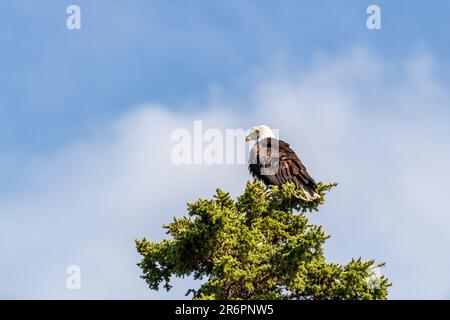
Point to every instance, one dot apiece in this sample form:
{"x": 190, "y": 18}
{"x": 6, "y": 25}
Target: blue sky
{"x": 74, "y": 102}
{"x": 126, "y": 54}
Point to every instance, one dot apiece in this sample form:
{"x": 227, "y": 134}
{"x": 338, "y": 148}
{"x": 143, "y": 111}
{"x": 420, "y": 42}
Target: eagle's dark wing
{"x": 276, "y": 165}
{"x": 291, "y": 168}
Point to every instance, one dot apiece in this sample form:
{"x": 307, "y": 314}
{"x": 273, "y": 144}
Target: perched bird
{"x": 273, "y": 162}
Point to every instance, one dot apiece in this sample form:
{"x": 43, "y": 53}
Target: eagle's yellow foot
{"x": 268, "y": 193}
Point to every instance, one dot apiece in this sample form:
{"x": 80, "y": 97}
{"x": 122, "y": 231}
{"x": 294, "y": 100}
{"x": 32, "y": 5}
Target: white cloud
{"x": 87, "y": 203}
{"x": 385, "y": 141}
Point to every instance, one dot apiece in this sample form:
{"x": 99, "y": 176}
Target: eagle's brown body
{"x": 273, "y": 162}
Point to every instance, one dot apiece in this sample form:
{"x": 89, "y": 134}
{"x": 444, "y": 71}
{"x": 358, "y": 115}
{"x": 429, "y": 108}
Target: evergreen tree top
{"x": 259, "y": 246}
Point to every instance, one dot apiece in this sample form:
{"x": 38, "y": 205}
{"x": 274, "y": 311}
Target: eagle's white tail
{"x": 309, "y": 195}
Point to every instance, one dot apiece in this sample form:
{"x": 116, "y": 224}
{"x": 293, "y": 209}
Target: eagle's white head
{"x": 260, "y": 132}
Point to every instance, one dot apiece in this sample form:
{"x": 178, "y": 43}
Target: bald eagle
{"x": 273, "y": 162}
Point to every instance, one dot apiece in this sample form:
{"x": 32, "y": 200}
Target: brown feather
{"x": 274, "y": 162}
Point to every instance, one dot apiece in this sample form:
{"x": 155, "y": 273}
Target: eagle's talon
{"x": 268, "y": 193}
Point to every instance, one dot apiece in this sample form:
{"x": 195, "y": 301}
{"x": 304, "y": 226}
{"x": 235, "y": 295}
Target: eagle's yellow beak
{"x": 248, "y": 138}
